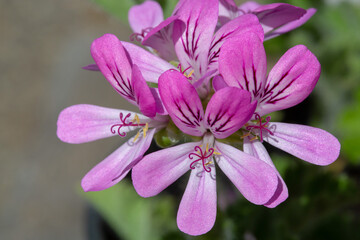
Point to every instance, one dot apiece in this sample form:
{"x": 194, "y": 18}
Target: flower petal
{"x": 145, "y": 15}
{"x": 115, "y": 167}
{"x": 193, "y": 47}
{"x": 291, "y": 25}
{"x": 182, "y": 103}
{"x": 151, "y": 66}
{"x": 277, "y": 14}
{"x": 310, "y": 144}
{"x": 91, "y": 67}
{"x": 290, "y": 81}
{"x": 163, "y": 36}
{"x": 237, "y": 27}
{"x": 248, "y": 7}
{"x": 158, "y": 170}
{"x": 257, "y": 149}
{"x": 85, "y": 123}
{"x": 256, "y": 180}
{"x": 242, "y": 64}
{"x": 143, "y": 95}
{"x": 225, "y": 115}
{"x": 227, "y": 11}
{"x": 112, "y": 60}
{"x": 197, "y": 210}
{"x": 219, "y": 83}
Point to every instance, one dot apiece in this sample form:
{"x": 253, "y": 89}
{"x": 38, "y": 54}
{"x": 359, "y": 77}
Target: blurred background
{"x": 44, "y": 44}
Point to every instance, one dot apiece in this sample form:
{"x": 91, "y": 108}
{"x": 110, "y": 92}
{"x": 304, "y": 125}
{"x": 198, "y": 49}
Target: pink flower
{"x": 85, "y": 123}
{"x": 224, "y": 115}
{"x": 276, "y": 18}
{"x": 242, "y": 64}
{"x": 189, "y": 36}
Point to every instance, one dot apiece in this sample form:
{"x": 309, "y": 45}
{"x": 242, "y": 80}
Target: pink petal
{"x": 115, "y": 167}
{"x": 112, "y": 60}
{"x": 86, "y": 123}
{"x": 291, "y": 25}
{"x": 147, "y": 14}
{"x": 235, "y": 28}
{"x": 160, "y": 108}
{"x": 197, "y": 210}
{"x": 290, "y": 81}
{"x": 277, "y": 14}
{"x": 192, "y": 48}
{"x": 182, "y": 103}
{"x": 219, "y": 83}
{"x": 257, "y": 149}
{"x": 310, "y": 144}
{"x": 242, "y": 64}
{"x": 256, "y": 180}
{"x": 225, "y": 115}
{"x": 151, "y": 66}
{"x": 143, "y": 95}
{"x": 248, "y": 7}
{"x": 160, "y": 169}
{"x": 163, "y": 36}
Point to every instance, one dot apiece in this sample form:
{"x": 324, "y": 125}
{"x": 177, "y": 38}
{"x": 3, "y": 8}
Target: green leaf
{"x": 117, "y": 8}
{"x": 131, "y": 216}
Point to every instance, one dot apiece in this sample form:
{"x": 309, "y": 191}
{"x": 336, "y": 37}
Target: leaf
{"x": 117, "y": 8}
{"x": 131, "y": 216}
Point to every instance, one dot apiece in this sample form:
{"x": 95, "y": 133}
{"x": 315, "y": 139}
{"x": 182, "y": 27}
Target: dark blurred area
{"x": 44, "y": 44}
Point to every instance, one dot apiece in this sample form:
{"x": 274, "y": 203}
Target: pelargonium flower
{"x": 276, "y": 18}
{"x": 224, "y": 115}
{"x": 189, "y": 36}
{"x": 85, "y": 123}
{"x": 242, "y": 64}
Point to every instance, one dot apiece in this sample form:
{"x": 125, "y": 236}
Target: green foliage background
{"x": 324, "y": 202}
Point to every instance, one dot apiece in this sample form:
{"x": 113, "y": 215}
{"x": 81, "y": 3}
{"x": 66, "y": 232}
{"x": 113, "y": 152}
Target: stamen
{"x": 188, "y": 76}
{"x": 140, "y": 36}
{"x": 246, "y": 135}
{"x": 201, "y": 157}
{"x": 125, "y": 124}
{"x": 254, "y": 138}
{"x": 136, "y": 136}
{"x": 261, "y": 126}
{"x": 145, "y": 129}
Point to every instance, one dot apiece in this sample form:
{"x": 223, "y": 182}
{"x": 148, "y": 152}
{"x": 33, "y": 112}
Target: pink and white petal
{"x": 219, "y": 83}
{"x": 162, "y": 37}
{"x": 248, "y": 7}
{"x": 116, "y": 166}
{"x": 197, "y": 210}
{"x": 160, "y": 108}
{"x": 256, "y": 180}
{"x": 242, "y": 64}
{"x": 290, "y": 81}
{"x": 143, "y": 95}
{"x": 228, "y": 110}
{"x": 145, "y": 15}
{"x": 150, "y": 65}
{"x": 112, "y": 60}
{"x": 291, "y": 25}
{"x": 193, "y": 47}
{"x": 227, "y": 11}
{"x": 257, "y": 149}
{"x": 278, "y": 14}
{"x": 85, "y": 123}
{"x": 182, "y": 103}
{"x": 240, "y": 26}
{"x": 310, "y": 144}
{"x": 158, "y": 170}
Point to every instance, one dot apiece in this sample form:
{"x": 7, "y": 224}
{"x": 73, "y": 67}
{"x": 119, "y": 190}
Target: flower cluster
{"x": 204, "y": 78}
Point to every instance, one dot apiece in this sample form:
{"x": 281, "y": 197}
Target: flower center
{"x": 202, "y": 156}
{"x": 188, "y": 76}
{"x": 260, "y": 126}
{"x": 140, "y": 36}
{"x": 124, "y": 123}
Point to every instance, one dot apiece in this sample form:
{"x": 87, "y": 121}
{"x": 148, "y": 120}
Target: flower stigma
{"x": 260, "y": 125}
{"x": 133, "y": 123}
{"x": 203, "y": 156}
